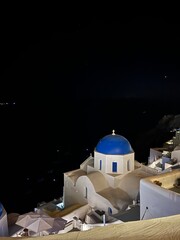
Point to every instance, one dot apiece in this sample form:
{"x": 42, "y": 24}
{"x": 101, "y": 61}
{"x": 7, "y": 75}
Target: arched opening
{"x": 109, "y": 211}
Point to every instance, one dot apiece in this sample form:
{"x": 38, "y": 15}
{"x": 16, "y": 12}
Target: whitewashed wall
{"x": 107, "y": 161}
{"x": 4, "y": 224}
{"x": 156, "y": 201}
{"x": 176, "y": 155}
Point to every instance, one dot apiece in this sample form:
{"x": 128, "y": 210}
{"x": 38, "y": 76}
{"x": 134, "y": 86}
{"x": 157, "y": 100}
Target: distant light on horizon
{"x": 6, "y": 103}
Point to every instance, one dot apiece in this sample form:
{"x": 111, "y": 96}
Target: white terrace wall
{"x": 158, "y": 201}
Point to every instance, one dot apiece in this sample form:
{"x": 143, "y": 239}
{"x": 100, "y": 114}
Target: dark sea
{"x": 41, "y": 141}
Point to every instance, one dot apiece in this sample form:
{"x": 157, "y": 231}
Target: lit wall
{"x": 158, "y": 201}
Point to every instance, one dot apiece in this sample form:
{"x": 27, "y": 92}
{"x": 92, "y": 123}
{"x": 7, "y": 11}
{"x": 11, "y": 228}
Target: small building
{"x": 166, "y": 158}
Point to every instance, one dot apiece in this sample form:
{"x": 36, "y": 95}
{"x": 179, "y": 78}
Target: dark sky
{"x": 51, "y": 58}
{"x": 94, "y": 55}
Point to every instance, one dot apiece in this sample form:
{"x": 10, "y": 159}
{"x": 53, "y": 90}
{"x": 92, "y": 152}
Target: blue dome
{"x": 114, "y": 144}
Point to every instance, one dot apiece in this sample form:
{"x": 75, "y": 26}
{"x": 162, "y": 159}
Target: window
{"x": 128, "y": 165}
{"x": 86, "y": 192}
{"x": 109, "y": 211}
{"x": 100, "y": 165}
{"x": 114, "y": 167}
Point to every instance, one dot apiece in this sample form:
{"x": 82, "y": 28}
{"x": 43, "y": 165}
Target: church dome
{"x": 114, "y": 144}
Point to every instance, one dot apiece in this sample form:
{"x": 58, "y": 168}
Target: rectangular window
{"x": 86, "y": 192}
{"x": 114, "y": 166}
{"x": 128, "y": 165}
{"x": 100, "y": 165}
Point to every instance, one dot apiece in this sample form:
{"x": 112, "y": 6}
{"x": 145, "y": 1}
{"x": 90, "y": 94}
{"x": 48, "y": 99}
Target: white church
{"x": 109, "y": 180}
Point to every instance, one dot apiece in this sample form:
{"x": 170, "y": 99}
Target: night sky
{"x": 85, "y": 55}
{"x": 76, "y": 75}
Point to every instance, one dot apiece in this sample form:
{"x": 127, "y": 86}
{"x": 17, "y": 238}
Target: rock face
{"x": 156, "y": 136}
{"x": 169, "y": 122}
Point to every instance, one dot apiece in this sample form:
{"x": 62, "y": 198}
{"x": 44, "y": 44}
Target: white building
{"x": 109, "y": 181}
{"x": 3, "y": 222}
{"x": 160, "y": 195}
{"x": 167, "y": 157}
